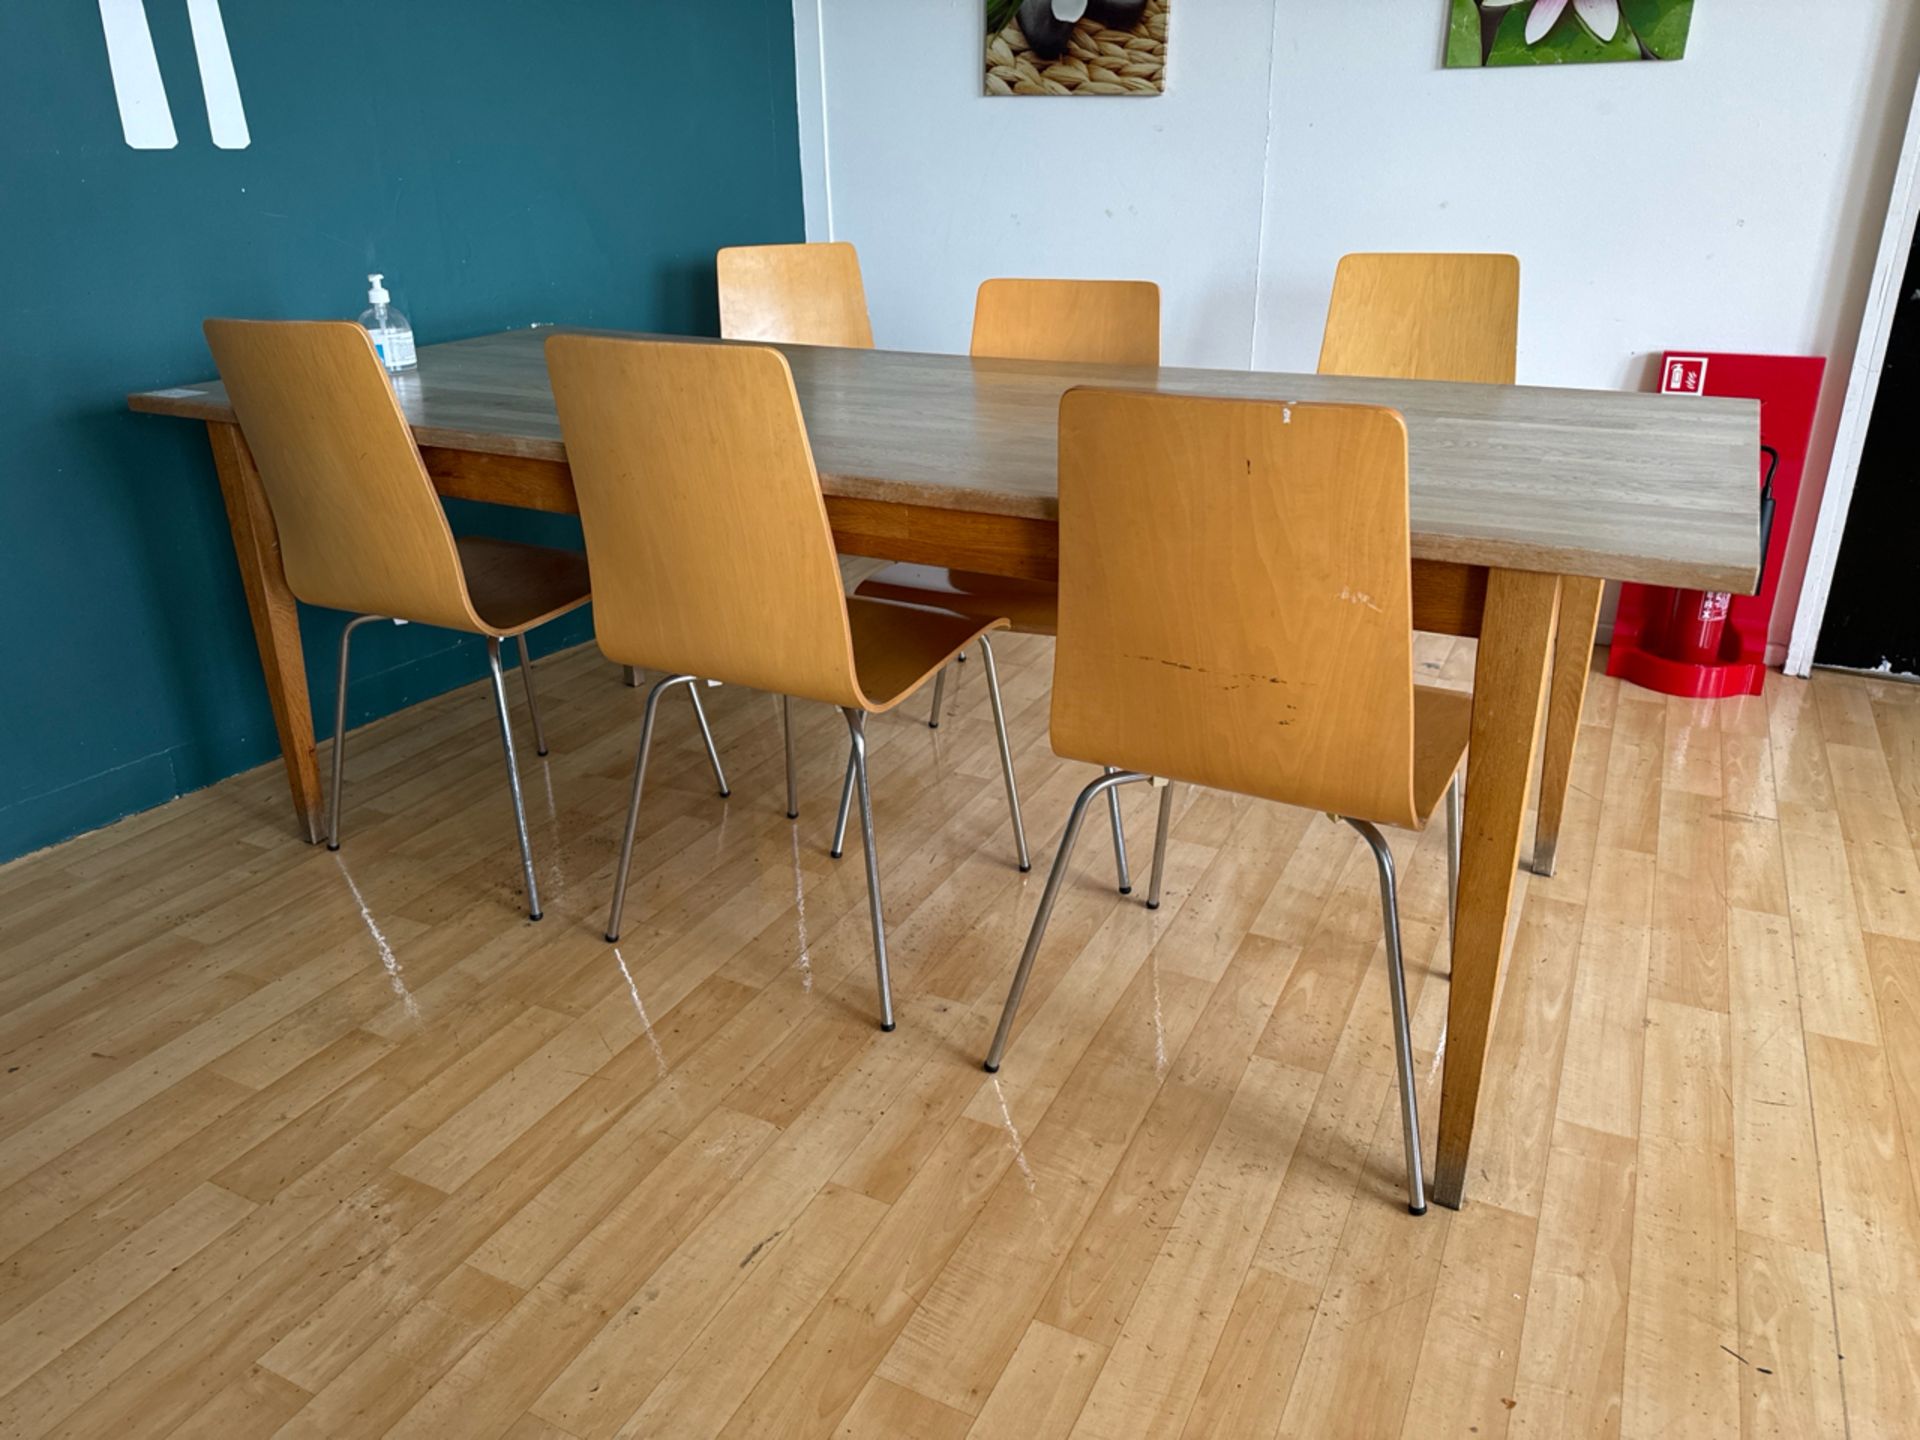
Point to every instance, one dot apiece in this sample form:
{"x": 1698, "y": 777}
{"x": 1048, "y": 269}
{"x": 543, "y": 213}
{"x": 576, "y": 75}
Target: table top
{"x": 1617, "y": 484}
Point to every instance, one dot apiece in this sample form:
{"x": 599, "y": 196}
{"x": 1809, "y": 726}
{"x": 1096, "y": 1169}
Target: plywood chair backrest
{"x": 1235, "y": 600}
{"x": 706, "y": 535}
{"x": 1424, "y": 317}
{"x": 1097, "y": 322}
{"x": 794, "y": 295}
{"x": 361, "y": 528}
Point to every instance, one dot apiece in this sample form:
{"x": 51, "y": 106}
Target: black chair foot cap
{"x": 542, "y": 751}
{"x": 833, "y": 854}
{"x": 725, "y": 793}
{"x": 1126, "y": 889}
{"x": 1025, "y": 868}
{"x": 1153, "y": 904}
{"x": 612, "y": 939}
{"x": 933, "y": 724}
{"x": 990, "y": 1067}
{"x": 888, "y": 1027}
{"x": 793, "y": 814}
{"x": 534, "y": 916}
{"x": 332, "y": 846}
{"x": 1421, "y": 1211}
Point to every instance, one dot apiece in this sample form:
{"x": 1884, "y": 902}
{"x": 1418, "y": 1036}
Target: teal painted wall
{"x": 504, "y": 162}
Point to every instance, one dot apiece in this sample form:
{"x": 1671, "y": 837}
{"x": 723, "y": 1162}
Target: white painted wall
{"x": 941, "y": 189}
{"x": 1730, "y": 201}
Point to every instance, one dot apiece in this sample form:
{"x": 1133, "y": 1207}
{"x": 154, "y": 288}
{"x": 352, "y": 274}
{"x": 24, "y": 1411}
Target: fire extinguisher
{"x": 1698, "y": 619}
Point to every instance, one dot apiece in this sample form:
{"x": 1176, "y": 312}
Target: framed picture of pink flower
{"x": 1565, "y": 32}
{"x": 1076, "y": 47}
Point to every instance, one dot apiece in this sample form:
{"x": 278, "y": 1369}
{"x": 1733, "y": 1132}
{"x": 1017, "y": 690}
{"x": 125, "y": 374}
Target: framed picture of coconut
{"x": 1564, "y": 32}
{"x": 1076, "y": 47}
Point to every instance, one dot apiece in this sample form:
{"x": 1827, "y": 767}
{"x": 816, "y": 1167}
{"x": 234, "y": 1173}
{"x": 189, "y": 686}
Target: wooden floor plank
{"x": 1776, "y": 1160}
{"x": 1789, "y": 1356}
{"x": 1682, "y": 1313}
{"x": 886, "y": 1410}
{"x": 1571, "y": 1374}
{"x": 1470, "y": 1351}
{"x": 1873, "y": 1233}
{"x": 90, "y": 1295}
{"x": 379, "y": 1386}
{"x": 252, "y": 1405}
{"x": 1153, "y": 1373}
{"x": 1896, "y": 983}
{"x": 1379, "y": 1280}
{"x": 307, "y": 1144}
{"x": 1098, "y": 1284}
{"x": 1880, "y": 852}
{"x": 1040, "y": 1393}
{"x": 737, "y": 1345}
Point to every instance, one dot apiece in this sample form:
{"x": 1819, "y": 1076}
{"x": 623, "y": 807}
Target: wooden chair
{"x": 1236, "y": 611}
{"x": 793, "y": 295}
{"x": 1097, "y": 322}
{"x": 807, "y": 294}
{"x": 692, "y": 467}
{"x": 1424, "y": 317}
{"x": 360, "y": 527}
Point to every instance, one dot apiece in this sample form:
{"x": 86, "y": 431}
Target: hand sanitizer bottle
{"x": 392, "y": 335}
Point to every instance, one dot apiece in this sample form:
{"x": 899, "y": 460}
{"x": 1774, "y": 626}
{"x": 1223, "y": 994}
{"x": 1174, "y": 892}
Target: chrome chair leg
{"x": 1160, "y": 845}
{"x": 633, "y": 805}
{"x": 1062, "y": 857}
{"x": 786, "y": 729}
{"x": 1453, "y": 863}
{"x": 1402, "y": 1032}
{"x": 513, "y": 775}
{"x": 706, "y": 734}
{"x": 1006, "y": 754}
{"x": 846, "y": 807}
{"x": 939, "y": 694}
{"x": 533, "y": 705}
{"x": 340, "y": 731}
{"x": 857, "y": 727}
{"x": 1119, "y": 839}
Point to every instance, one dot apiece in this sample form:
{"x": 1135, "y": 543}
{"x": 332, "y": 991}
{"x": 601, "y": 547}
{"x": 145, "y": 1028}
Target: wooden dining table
{"x": 1524, "y": 501}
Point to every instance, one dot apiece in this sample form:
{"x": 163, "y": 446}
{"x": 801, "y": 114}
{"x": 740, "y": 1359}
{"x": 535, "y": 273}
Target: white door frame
{"x": 1863, "y": 384}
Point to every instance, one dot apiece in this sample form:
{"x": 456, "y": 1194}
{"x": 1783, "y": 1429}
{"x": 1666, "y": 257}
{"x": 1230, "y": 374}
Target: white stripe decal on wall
{"x": 145, "y": 118}
{"x": 225, "y": 115}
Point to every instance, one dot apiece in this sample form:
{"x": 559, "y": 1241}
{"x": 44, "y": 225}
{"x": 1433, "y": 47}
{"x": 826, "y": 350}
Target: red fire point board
{"x": 1706, "y": 643}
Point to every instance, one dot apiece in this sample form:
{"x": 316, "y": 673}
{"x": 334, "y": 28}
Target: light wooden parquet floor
{"x": 314, "y": 1145}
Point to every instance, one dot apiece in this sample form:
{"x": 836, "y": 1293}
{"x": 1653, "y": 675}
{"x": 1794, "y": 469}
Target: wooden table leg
{"x": 276, "y": 620}
{"x": 1509, "y": 687}
{"x": 1572, "y": 660}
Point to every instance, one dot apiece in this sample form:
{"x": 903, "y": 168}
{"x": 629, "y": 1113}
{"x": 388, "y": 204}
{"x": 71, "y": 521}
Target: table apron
{"x": 1448, "y": 597}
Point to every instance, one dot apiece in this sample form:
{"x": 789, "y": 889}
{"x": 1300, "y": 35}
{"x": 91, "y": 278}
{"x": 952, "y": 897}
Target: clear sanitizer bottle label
{"x": 395, "y": 347}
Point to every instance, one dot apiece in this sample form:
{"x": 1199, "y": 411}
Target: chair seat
{"x": 1441, "y": 721}
{"x": 898, "y": 648}
{"x": 515, "y": 587}
{"x": 1032, "y": 607}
